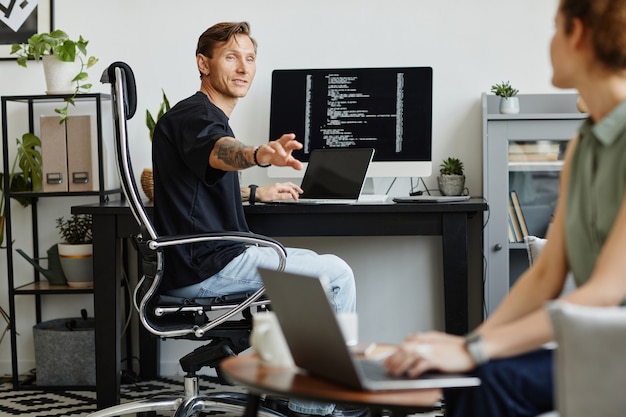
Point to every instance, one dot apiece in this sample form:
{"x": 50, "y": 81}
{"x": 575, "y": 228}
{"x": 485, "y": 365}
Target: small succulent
{"x": 75, "y": 230}
{"x": 504, "y": 89}
{"x": 451, "y": 166}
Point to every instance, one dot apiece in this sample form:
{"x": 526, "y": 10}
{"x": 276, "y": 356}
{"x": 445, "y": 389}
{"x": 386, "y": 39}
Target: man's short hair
{"x": 221, "y": 33}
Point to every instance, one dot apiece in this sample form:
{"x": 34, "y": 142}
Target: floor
{"x": 38, "y": 403}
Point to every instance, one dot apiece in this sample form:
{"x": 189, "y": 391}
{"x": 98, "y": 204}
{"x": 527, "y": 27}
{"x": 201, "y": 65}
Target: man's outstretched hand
{"x": 278, "y": 152}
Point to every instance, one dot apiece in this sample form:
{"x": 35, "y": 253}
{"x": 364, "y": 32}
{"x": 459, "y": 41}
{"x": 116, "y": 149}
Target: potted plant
{"x": 451, "y": 178}
{"x": 147, "y": 180}
{"x": 152, "y": 121}
{"x": 509, "y": 103}
{"x": 76, "y": 251}
{"x": 64, "y": 60}
{"x": 28, "y": 159}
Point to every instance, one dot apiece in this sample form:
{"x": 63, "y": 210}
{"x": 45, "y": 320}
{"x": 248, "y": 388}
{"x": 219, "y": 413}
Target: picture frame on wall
{"x": 21, "y": 19}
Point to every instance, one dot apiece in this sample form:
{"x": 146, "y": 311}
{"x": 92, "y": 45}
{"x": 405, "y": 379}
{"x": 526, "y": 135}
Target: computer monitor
{"x": 388, "y": 109}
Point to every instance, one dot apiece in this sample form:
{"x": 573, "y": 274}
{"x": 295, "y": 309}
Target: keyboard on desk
{"x": 363, "y": 199}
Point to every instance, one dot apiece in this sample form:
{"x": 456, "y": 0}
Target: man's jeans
{"x": 241, "y": 275}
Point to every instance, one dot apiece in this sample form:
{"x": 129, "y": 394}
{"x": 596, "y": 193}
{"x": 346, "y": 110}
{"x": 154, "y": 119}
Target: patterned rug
{"x": 38, "y": 403}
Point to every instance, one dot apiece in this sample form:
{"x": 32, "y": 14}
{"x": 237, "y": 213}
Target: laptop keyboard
{"x": 376, "y": 371}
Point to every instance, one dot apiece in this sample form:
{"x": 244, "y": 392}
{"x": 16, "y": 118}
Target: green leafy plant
{"x": 504, "y": 89}
{"x": 451, "y": 166}
{"x": 28, "y": 159}
{"x": 151, "y": 121}
{"x": 76, "y": 229}
{"x": 59, "y": 44}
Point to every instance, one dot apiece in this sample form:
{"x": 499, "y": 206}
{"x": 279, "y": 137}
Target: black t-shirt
{"x": 191, "y": 197}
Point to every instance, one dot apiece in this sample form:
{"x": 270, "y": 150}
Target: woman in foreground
{"x": 587, "y": 237}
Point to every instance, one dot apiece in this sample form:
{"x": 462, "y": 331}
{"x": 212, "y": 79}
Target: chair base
{"x": 186, "y": 407}
{"x": 192, "y": 403}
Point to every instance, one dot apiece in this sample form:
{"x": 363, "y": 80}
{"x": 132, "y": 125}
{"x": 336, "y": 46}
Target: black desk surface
{"x": 354, "y": 219}
{"x": 113, "y": 220}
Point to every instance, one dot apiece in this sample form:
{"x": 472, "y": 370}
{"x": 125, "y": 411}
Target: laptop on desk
{"x": 317, "y": 344}
{"x": 431, "y": 198}
{"x": 334, "y": 176}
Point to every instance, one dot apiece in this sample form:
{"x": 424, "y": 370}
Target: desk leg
{"x": 106, "y": 249}
{"x": 455, "y": 272}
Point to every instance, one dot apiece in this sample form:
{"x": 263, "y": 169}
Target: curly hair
{"x": 607, "y": 21}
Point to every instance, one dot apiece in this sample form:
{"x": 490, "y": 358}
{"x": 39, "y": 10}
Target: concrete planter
{"x": 451, "y": 184}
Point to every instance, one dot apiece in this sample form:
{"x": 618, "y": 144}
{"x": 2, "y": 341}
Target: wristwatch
{"x": 252, "y": 197}
{"x": 476, "y": 348}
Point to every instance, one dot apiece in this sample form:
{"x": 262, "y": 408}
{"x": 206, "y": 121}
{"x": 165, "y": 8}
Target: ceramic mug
{"x": 268, "y": 340}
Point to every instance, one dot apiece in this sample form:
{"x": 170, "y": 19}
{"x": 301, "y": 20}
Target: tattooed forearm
{"x": 232, "y": 153}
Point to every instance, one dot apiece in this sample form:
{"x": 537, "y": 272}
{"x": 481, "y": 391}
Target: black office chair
{"x": 174, "y": 317}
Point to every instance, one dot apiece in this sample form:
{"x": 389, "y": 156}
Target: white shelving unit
{"x": 522, "y": 153}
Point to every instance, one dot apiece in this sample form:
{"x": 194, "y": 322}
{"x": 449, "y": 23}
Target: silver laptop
{"x": 318, "y": 346}
{"x": 334, "y": 176}
{"x": 431, "y": 198}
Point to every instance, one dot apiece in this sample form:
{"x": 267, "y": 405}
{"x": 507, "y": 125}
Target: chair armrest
{"x": 168, "y": 241}
{"x": 243, "y": 237}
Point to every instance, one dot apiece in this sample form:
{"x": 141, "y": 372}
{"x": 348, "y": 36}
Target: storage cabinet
{"x": 523, "y": 156}
{"x": 21, "y": 114}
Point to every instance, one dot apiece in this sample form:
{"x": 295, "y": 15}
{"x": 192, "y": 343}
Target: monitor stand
{"x": 367, "y": 195}
{"x": 368, "y": 187}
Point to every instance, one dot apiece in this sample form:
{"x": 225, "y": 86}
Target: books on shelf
{"x": 514, "y": 225}
{"x": 512, "y": 238}
{"x": 536, "y": 151}
{"x": 519, "y": 214}
{"x": 517, "y": 223}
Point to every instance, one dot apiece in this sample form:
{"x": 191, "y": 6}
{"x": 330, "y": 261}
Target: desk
{"x": 247, "y": 370}
{"x": 113, "y": 221}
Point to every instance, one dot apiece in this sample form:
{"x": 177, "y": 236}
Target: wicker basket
{"x": 147, "y": 183}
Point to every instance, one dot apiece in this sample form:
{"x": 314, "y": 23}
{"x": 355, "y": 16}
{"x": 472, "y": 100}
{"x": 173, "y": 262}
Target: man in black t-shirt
{"x": 196, "y": 188}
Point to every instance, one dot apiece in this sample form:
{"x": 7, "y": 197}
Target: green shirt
{"x": 596, "y": 190}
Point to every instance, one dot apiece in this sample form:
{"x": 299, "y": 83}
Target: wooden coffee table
{"x": 257, "y": 378}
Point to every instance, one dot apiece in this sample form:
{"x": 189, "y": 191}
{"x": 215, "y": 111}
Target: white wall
{"x": 470, "y": 45}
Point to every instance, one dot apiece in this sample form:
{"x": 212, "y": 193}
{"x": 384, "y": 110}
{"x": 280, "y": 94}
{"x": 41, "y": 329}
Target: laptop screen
{"x": 336, "y": 173}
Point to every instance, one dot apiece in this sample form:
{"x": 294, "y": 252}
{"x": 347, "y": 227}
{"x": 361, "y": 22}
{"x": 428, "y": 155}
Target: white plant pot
{"x": 509, "y": 105}
{"x": 77, "y": 264}
{"x": 59, "y": 75}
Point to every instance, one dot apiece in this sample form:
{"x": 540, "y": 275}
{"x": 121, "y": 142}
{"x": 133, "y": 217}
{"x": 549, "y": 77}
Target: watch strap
{"x": 476, "y": 348}
{"x": 252, "y": 197}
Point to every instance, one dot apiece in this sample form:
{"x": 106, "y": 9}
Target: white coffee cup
{"x": 268, "y": 340}
{"x": 349, "y": 324}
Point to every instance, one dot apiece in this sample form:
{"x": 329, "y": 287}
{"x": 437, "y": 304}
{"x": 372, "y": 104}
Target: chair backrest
{"x": 590, "y": 365}
{"x": 150, "y": 245}
{"x": 534, "y": 246}
{"x": 124, "y": 98}
{"x": 124, "y": 102}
